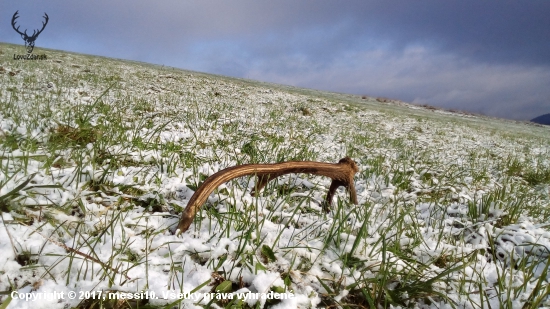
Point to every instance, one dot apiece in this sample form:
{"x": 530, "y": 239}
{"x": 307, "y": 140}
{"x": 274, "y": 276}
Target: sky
{"x": 488, "y": 57}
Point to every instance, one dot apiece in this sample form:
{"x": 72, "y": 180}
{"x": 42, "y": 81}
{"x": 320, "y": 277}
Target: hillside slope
{"x": 542, "y": 119}
{"x": 100, "y": 156}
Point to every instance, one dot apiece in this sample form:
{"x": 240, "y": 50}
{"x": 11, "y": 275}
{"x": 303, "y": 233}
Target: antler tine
{"x": 14, "y": 17}
{"x": 46, "y": 17}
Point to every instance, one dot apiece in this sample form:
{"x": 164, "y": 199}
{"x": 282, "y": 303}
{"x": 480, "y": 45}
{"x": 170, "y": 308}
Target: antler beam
{"x": 13, "y": 22}
{"x": 46, "y": 18}
{"x": 341, "y": 173}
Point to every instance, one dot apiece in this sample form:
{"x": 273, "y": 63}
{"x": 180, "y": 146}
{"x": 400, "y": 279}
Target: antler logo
{"x": 29, "y": 40}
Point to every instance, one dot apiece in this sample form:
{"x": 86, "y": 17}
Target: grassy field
{"x": 99, "y": 157}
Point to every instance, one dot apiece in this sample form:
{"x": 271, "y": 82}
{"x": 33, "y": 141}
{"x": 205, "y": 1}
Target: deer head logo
{"x": 29, "y": 40}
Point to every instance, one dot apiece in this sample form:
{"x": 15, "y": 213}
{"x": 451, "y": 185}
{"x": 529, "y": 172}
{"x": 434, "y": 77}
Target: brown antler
{"x": 341, "y": 173}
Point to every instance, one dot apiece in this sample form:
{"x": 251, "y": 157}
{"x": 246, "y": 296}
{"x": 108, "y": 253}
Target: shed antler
{"x": 341, "y": 173}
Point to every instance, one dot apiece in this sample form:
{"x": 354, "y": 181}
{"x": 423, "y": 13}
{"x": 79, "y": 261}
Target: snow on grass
{"x": 98, "y": 157}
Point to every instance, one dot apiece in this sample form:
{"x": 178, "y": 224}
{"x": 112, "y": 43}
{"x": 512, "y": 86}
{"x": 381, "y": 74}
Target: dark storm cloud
{"x": 485, "y": 56}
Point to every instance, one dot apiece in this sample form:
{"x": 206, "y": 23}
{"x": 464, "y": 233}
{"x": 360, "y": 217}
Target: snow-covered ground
{"x": 100, "y": 156}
